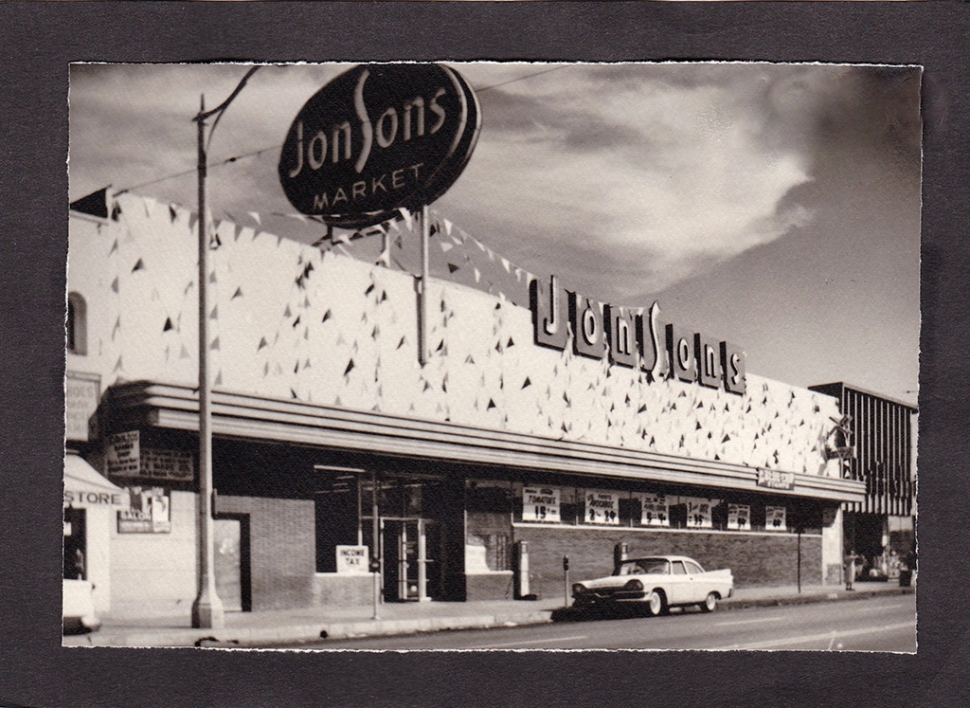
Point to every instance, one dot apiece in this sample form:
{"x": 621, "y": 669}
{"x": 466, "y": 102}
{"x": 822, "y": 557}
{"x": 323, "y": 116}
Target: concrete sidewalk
{"x": 290, "y": 627}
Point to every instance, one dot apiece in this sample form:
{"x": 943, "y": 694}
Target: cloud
{"x": 657, "y": 172}
{"x": 669, "y": 170}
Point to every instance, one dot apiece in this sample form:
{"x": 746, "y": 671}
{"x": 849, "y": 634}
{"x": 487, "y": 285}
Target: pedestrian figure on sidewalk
{"x": 850, "y": 573}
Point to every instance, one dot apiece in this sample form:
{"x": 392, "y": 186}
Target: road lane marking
{"x": 530, "y": 641}
{"x": 881, "y": 608}
{"x": 750, "y": 621}
{"x": 807, "y": 639}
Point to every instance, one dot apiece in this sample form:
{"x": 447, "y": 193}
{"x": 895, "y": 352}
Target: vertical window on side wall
{"x": 77, "y": 325}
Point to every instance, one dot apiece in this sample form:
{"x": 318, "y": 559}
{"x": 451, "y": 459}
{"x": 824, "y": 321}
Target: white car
{"x": 79, "y": 615}
{"x": 659, "y": 582}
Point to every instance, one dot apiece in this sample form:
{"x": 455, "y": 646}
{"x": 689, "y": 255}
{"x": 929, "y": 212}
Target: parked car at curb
{"x": 658, "y": 583}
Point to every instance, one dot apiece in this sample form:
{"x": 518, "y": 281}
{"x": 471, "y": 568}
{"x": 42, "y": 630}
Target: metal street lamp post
{"x": 207, "y": 609}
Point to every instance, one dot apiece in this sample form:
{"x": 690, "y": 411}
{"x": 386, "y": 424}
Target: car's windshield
{"x": 643, "y": 566}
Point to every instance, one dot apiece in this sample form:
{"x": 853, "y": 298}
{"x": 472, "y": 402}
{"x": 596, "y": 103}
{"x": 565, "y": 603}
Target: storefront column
{"x": 422, "y": 563}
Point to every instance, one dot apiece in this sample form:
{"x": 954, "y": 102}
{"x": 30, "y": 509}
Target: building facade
{"x": 473, "y": 474}
{"x": 880, "y": 434}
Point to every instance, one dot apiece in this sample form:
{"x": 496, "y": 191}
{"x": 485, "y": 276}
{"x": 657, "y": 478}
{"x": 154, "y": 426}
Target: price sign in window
{"x": 540, "y": 504}
{"x": 603, "y": 508}
{"x": 654, "y": 510}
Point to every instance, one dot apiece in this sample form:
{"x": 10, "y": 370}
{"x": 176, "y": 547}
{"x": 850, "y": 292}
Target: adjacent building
{"x": 880, "y": 435}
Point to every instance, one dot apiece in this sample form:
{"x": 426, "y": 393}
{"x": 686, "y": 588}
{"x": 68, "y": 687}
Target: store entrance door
{"x": 231, "y": 562}
{"x": 411, "y": 568}
{"x": 75, "y": 544}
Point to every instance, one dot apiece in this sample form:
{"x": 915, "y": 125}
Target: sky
{"x": 773, "y": 205}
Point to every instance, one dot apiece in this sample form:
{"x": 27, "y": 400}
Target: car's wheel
{"x": 710, "y": 602}
{"x": 657, "y": 603}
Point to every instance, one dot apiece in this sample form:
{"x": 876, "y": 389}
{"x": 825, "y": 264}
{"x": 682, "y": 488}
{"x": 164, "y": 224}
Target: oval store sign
{"x": 376, "y": 138}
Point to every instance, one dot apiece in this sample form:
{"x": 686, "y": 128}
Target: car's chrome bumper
{"x": 619, "y": 595}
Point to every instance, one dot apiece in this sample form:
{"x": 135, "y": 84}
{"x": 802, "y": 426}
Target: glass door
{"x": 411, "y": 570}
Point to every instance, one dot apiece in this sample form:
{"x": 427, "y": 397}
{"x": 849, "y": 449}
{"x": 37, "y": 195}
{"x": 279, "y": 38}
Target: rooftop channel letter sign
{"x": 377, "y": 138}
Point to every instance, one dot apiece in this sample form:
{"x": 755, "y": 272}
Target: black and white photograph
{"x": 492, "y": 356}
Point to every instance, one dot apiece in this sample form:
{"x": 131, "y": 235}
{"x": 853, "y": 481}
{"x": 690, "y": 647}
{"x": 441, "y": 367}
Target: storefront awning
{"x": 85, "y": 487}
{"x": 145, "y": 403}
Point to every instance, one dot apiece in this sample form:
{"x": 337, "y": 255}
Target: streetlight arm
{"x": 220, "y": 109}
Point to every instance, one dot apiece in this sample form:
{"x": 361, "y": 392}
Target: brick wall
{"x": 754, "y": 559}
{"x": 282, "y": 549}
{"x": 333, "y": 590}
{"x": 489, "y": 586}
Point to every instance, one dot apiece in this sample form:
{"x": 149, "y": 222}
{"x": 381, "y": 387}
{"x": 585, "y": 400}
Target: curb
{"x": 569, "y": 614}
{"x": 267, "y": 637}
{"x": 834, "y": 596}
{"x": 305, "y": 634}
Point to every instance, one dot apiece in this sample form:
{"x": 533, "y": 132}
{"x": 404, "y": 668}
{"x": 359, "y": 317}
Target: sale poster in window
{"x": 540, "y": 504}
{"x": 698, "y": 513}
{"x": 739, "y": 517}
{"x": 603, "y": 508}
{"x": 775, "y": 518}
{"x": 653, "y": 510}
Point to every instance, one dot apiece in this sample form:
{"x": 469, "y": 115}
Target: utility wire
{"x": 235, "y": 158}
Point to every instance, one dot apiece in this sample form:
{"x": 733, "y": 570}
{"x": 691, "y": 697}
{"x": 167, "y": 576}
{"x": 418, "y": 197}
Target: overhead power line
{"x": 236, "y": 158}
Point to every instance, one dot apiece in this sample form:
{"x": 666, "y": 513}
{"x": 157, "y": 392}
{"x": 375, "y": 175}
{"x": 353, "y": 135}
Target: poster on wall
{"x": 167, "y": 464}
{"x": 739, "y": 517}
{"x": 775, "y": 518}
{"x": 603, "y": 508}
{"x": 540, "y": 504}
{"x": 123, "y": 454}
{"x": 81, "y": 395}
{"x": 653, "y": 510}
{"x": 149, "y": 511}
{"x": 698, "y": 513}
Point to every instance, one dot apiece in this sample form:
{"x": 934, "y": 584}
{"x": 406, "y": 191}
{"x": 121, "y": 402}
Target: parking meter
{"x": 565, "y": 579}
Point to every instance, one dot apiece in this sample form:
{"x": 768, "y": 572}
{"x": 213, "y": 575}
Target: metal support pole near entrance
{"x": 424, "y": 324}
{"x": 207, "y": 610}
{"x": 375, "y": 546}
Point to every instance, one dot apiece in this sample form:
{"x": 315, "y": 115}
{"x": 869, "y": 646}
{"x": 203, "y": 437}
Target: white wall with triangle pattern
{"x": 292, "y": 322}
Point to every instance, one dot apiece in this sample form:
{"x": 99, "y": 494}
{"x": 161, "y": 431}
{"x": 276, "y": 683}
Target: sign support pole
{"x": 423, "y": 323}
{"x": 207, "y": 609}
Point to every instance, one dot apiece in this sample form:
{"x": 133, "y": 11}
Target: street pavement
{"x": 310, "y": 625}
{"x": 882, "y": 623}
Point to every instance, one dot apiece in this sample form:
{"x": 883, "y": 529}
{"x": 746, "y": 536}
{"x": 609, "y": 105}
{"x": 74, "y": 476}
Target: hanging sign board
{"x": 377, "y": 138}
{"x": 540, "y": 504}
{"x": 774, "y": 479}
{"x": 603, "y": 508}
